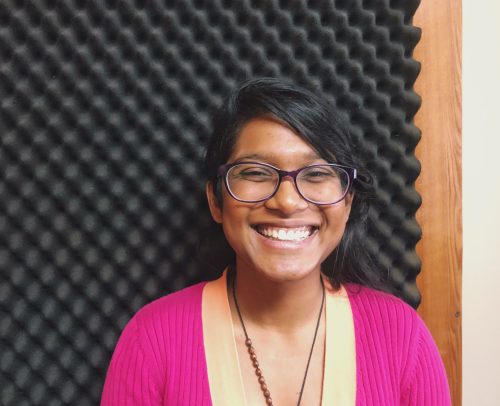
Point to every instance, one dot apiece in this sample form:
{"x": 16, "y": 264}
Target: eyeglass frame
{"x": 223, "y": 170}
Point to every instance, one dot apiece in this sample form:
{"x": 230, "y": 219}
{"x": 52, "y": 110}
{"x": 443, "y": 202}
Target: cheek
{"x": 234, "y": 222}
{"x": 336, "y": 218}
{"x": 338, "y": 214}
{"x": 237, "y": 238}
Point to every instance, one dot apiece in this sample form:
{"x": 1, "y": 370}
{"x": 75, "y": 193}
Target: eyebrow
{"x": 270, "y": 157}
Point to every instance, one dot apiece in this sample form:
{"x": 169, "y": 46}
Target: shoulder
{"x": 170, "y": 312}
{"x": 362, "y": 292}
{"x": 166, "y": 318}
{"x": 390, "y": 331}
{"x": 185, "y": 299}
{"x": 386, "y": 327}
{"x": 373, "y": 305}
{"x": 156, "y": 338}
{"x": 384, "y": 318}
{"x": 172, "y": 319}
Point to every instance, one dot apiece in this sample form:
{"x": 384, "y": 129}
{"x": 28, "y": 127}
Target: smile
{"x": 286, "y": 234}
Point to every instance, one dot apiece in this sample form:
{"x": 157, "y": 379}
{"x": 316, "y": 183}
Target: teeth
{"x": 286, "y": 234}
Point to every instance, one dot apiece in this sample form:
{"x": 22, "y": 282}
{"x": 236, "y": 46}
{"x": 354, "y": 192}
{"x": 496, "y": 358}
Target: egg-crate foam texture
{"x": 105, "y": 111}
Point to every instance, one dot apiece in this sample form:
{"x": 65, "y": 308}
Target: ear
{"x": 348, "y": 204}
{"x": 213, "y": 203}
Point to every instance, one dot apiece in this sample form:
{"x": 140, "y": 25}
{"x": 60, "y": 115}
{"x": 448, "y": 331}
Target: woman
{"x": 298, "y": 316}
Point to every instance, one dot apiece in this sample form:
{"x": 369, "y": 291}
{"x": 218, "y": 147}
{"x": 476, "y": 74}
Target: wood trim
{"x": 440, "y": 183}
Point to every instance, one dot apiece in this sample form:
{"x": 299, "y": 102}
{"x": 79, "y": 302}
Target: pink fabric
{"x": 397, "y": 360}
{"x": 160, "y": 358}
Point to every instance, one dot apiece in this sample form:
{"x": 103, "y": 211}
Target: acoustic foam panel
{"x": 105, "y": 111}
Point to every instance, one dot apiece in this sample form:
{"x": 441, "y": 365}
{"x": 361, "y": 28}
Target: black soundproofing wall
{"x": 105, "y": 111}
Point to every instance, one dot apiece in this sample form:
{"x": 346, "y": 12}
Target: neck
{"x": 283, "y": 306}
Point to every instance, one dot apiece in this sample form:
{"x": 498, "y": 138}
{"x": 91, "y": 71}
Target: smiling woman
{"x": 262, "y": 234}
{"x": 299, "y": 315}
{"x": 278, "y": 120}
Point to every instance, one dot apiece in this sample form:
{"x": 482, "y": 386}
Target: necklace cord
{"x": 253, "y": 356}
{"x": 314, "y": 341}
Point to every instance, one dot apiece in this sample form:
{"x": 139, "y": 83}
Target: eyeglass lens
{"x": 319, "y": 184}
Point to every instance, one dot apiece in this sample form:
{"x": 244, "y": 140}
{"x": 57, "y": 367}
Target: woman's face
{"x": 266, "y": 140}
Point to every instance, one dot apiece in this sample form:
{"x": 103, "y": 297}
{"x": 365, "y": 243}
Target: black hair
{"x": 311, "y": 116}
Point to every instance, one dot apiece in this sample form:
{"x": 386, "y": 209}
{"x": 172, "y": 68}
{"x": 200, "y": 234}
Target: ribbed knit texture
{"x": 397, "y": 360}
{"x": 160, "y": 358}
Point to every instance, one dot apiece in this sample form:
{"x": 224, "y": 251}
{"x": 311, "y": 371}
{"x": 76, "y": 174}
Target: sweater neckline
{"x": 223, "y": 366}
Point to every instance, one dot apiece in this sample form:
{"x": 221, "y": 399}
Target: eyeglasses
{"x": 253, "y": 182}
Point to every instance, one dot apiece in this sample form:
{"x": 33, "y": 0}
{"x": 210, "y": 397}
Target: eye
{"x": 252, "y": 173}
{"x": 318, "y": 174}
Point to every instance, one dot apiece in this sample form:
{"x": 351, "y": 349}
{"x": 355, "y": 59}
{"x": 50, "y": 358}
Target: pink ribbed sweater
{"x": 160, "y": 358}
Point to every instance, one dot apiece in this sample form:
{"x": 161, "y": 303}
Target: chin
{"x": 288, "y": 270}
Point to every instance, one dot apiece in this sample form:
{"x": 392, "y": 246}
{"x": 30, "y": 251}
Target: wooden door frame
{"x": 440, "y": 182}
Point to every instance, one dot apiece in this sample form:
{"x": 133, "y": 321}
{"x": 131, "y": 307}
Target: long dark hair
{"x": 311, "y": 116}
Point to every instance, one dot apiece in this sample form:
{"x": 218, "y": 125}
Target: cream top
{"x": 224, "y": 372}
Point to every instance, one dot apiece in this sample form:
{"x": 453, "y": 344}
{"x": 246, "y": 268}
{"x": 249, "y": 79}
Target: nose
{"x": 287, "y": 199}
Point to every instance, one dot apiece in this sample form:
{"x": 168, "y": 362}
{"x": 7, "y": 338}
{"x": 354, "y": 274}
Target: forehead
{"x": 266, "y": 139}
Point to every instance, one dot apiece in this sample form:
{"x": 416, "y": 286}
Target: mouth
{"x": 285, "y": 234}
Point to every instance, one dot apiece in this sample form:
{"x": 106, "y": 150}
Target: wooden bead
{"x": 269, "y": 402}
{"x": 266, "y": 393}
{"x": 261, "y": 380}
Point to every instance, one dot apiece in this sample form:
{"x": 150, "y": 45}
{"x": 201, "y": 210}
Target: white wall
{"x": 481, "y": 202}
